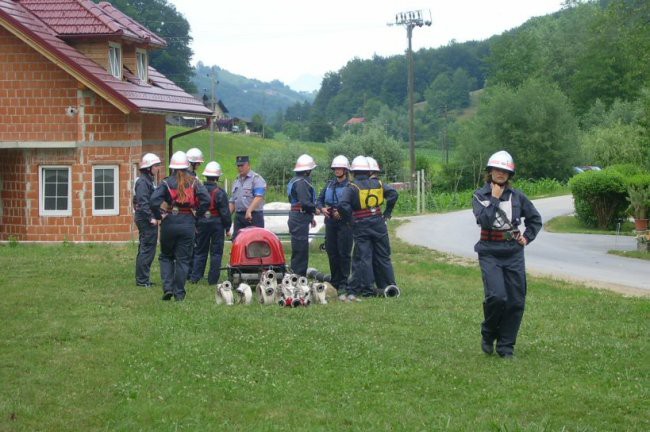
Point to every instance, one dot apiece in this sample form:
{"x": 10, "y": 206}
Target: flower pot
{"x": 641, "y": 224}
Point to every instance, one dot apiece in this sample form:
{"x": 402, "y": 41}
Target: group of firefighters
{"x": 197, "y": 216}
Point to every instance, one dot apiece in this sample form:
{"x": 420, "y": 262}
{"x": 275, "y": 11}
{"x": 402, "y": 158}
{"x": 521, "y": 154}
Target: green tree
{"x": 534, "y": 123}
{"x": 163, "y": 19}
{"x": 319, "y": 129}
{"x": 375, "y": 142}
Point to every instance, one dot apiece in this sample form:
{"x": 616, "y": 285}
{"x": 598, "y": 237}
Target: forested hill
{"x": 246, "y": 97}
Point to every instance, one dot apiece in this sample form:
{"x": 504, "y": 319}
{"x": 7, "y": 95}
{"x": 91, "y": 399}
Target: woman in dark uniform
{"x": 498, "y": 209}
{"x": 211, "y": 228}
{"x": 185, "y": 196}
{"x": 144, "y": 220}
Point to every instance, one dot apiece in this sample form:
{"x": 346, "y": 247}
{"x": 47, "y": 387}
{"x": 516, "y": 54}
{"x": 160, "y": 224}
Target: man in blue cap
{"x": 247, "y": 199}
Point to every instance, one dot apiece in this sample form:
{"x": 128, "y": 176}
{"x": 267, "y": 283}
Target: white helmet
{"x": 212, "y": 169}
{"x": 305, "y": 163}
{"x": 195, "y": 155}
{"x": 372, "y": 163}
{"x": 340, "y": 162}
{"x": 360, "y": 163}
{"x": 502, "y": 160}
{"x": 149, "y": 160}
{"x": 179, "y": 161}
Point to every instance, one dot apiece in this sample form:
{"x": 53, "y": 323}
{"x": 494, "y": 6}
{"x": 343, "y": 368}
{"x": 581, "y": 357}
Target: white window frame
{"x": 41, "y": 192}
{"x": 116, "y": 191}
{"x": 142, "y": 64}
{"x": 115, "y": 59}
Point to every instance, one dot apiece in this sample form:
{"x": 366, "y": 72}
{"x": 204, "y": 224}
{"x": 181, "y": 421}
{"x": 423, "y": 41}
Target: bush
{"x": 600, "y": 198}
{"x": 626, "y": 170}
{"x": 277, "y": 167}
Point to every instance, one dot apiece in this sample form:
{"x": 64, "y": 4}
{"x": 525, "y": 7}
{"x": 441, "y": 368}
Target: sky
{"x": 298, "y": 41}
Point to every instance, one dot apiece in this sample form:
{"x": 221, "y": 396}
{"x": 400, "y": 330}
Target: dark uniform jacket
{"x": 144, "y": 188}
{"x": 219, "y": 203}
{"x": 351, "y": 203}
{"x": 485, "y": 210}
{"x": 301, "y": 192}
{"x": 162, "y": 194}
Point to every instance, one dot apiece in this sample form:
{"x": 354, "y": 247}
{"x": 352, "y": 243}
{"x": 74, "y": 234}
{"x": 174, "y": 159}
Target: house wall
{"x": 37, "y": 128}
{"x": 27, "y": 81}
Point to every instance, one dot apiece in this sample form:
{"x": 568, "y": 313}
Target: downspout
{"x": 170, "y": 146}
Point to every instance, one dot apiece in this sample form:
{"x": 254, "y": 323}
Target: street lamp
{"x": 410, "y": 20}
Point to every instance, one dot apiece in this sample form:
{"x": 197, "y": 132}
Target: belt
{"x": 496, "y": 235}
{"x": 297, "y": 208}
{"x": 366, "y": 213}
{"x": 244, "y": 211}
{"x": 181, "y": 210}
{"x": 215, "y": 213}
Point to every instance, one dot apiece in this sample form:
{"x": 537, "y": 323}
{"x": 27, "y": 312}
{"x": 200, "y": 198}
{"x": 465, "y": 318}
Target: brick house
{"x": 79, "y": 105}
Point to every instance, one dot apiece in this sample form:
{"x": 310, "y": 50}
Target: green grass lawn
{"x": 571, "y": 225}
{"x": 84, "y": 349}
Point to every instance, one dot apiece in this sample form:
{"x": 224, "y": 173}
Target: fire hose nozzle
{"x": 392, "y": 291}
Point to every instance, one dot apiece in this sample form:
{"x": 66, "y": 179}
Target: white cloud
{"x": 288, "y": 39}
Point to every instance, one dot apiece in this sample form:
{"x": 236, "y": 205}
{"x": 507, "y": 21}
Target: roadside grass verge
{"x": 631, "y": 254}
{"x": 84, "y": 349}
{"x": 571, "y": 225}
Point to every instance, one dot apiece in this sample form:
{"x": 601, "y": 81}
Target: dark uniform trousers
{"x": 504, "y": 280}
{"x": 148, "y": 237}
{"x": 371, "y": 243}
{"x": 208, "y": 232}
{"x": 338, "y": 244}
{"x": 241, "y": 222}
{"x": 176, "y": 246}
{"x": 299, "y": 229}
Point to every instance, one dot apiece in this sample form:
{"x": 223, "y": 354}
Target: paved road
{"x": 576, "y": 257}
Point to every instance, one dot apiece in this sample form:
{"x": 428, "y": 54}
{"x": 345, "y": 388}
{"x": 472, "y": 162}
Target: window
{"x": 55, "y": 191}
{"x": 105, "y": 190}
{"x": 142, "y": 64}
{"x": 115, "y": 60}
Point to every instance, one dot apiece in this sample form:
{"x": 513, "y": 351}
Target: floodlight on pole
{"x": 213, "y": 106}
{"x": 410, "y": 20}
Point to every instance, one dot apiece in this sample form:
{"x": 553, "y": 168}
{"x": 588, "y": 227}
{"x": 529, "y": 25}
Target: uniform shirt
{"x": 221, "y": 204}
{"x": 485, "y": 210}
{"x": 161, "y": 194}
{"x": 244, "y": 189}
{"x": 144, "y": 187}
{"x": 301, "y": 191}
{"x": 350, "y": 201}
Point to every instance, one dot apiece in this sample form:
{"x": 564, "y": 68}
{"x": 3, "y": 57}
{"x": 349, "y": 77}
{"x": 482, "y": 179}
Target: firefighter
{"x": 185, "y": 196}
{"x": 382, "y": 276}
{"x": 247, "y": 199}
{"x": 498, "y": 208}
{"x": 145, "y": 221}
{"x": 195, "y": 158}
{"x": 211, "y": 228}
{"x": 302, "y": 198}
{"x": 338, "y": 232}
{"x": 361, "y": 202}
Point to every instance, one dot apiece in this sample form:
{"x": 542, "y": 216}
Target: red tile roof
{"x": 160, "y": 96}
{"x": 85, "y": 18}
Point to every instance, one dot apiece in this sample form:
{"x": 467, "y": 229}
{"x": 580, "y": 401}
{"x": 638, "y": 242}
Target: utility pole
{"x": 213, "y": 104}
{"x": 410, "y": 20}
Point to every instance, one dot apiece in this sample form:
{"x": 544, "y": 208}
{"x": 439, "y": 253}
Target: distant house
{"x": 79, "y": 105}
{"x": 355, "y": 121}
